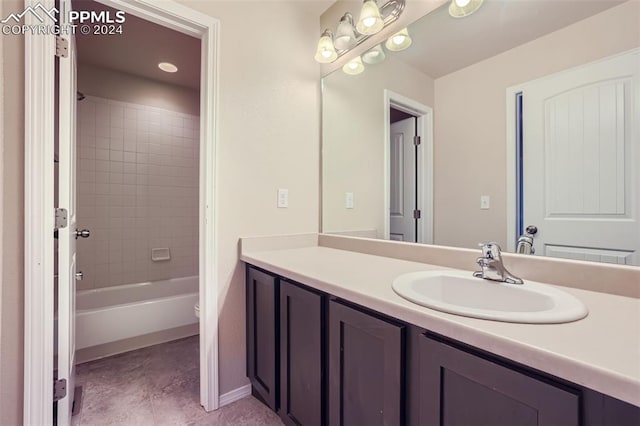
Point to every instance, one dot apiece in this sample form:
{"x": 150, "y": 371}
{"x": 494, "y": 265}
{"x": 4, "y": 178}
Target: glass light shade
{"x": 399, "y": 41}
{"x": 374, "y": 55}
{"x": 463, "y": 8}
{"x": 345, "y": 37}
{"x": 370, "y": 21}
{"x": 326, "y": 53}
{"x": 355, "y": 66}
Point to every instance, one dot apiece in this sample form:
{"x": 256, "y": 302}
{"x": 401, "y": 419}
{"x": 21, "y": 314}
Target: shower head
{"x": 80, "y": 96}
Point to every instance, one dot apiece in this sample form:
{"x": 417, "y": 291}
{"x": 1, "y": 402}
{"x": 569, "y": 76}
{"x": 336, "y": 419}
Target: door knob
{"x": 84, "y": 233}
{"x": 79, "y": 276}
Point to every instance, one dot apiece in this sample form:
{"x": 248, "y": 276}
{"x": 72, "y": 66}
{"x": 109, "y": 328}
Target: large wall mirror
{"x": 520, "y": 122}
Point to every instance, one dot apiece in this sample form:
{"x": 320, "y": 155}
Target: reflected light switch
{"x": 348, "y": 200}
{"x": 485, "y": 202}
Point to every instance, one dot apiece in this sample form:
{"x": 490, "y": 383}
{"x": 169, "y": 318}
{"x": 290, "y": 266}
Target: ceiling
{"x": 140, "y": 48}
{"x": 442, "y": 44}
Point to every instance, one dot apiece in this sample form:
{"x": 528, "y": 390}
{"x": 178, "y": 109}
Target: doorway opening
{"x": 135, "y": 195}
{"x": 408, "y": 170}
{"x": 199, "y": 187}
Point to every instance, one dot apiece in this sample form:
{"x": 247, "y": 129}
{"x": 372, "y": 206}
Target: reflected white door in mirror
{"x": 580, "y": 162}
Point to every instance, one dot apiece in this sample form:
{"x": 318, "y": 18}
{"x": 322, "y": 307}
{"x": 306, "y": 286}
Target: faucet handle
{"x": 490, "y": 250}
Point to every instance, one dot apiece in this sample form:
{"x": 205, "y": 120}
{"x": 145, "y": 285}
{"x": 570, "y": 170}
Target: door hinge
{"x": 417, "y": 140}
{"x": 59, "y": 389}
{"x": 61, "y": 219}
{"x": 62, "y": 47}
{"x": 416, "y": 214}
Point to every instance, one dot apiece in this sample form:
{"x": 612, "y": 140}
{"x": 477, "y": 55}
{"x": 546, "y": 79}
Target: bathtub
{"x": 111, "y": 314}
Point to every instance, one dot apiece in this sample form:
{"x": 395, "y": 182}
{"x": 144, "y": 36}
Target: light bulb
{"x": 399, "y": 41}
{"x": 354, "y": 67}
{"x": 463, "y": 8}
{"x": 369, "y": 22}
{"x": 326, "y": 52}
{"x": 374, "y": 55}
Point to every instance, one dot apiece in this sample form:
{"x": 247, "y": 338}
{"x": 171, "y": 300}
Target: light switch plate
{"x": 348, "y": 200}
{"x": 283, "y": 198}
{"x": 485, "y": 202}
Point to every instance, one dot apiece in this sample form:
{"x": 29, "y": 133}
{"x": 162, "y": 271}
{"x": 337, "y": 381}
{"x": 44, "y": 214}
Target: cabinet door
{"x": 365, "y": 368}
{"x": 459, "y": 388}
{"x": 262, "y": 338}
{"x": 301, "y": 355}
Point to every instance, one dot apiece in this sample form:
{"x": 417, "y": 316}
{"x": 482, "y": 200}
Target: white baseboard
{"x": 235, "y": 395}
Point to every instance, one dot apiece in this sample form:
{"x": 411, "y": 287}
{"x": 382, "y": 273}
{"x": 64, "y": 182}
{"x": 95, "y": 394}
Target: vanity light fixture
{"x": 399, "y": 41}
{"x": 167, "y": 67}
{"x": 326, "y": 52}
{"x": 375, "y": 55}
{"x": 345, "y": 34}
{"x": 372, "y": 20}
{"x": 463, "y": 8}
{"x": 354, "y": 67}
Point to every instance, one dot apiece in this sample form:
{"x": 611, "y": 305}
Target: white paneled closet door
{"x": 582, "y": 161}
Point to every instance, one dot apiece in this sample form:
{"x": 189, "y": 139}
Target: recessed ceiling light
{"x": 167, "y": 67}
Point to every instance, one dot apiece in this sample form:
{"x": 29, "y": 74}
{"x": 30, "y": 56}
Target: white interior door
{"x": 581, "y": 168}
{"x": 402, "y": 203}
{"x": 66, "y": 236}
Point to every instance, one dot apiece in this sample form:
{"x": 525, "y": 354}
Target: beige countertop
{"x": 600, "y": 352}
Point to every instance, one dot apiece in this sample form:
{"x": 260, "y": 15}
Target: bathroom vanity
{"x": 329, "y": 342}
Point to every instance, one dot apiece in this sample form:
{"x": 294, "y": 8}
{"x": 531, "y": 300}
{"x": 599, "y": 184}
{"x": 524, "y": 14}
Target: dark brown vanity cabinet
{"x": 286, "y": 347}
{"x": 319, "y": 360}
{"x": 366, "y": 367}
{"x": 458, "y": 388}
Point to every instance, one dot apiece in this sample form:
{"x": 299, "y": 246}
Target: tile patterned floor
{"x": 157, "y": 385}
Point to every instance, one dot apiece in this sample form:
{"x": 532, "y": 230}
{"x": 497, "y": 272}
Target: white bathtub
{"x": 115, "y": 313}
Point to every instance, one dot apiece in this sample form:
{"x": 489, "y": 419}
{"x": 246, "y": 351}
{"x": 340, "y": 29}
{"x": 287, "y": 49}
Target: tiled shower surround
{"x": 137, "y": 190}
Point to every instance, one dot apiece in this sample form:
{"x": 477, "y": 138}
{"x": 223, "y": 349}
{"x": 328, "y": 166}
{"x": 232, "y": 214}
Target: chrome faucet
{"x": 492, "y": 267}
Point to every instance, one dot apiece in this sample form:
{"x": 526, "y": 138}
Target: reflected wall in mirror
{"x": 555, "y": 84}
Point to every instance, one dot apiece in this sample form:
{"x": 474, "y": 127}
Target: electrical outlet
{"x": 283, "y": 198}
{"x": 348, "y": 200}
{"x": 485, "y": 202}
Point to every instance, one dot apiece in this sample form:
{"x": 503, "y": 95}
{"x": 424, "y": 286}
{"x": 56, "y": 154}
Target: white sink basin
{"x": 460, "y": 293}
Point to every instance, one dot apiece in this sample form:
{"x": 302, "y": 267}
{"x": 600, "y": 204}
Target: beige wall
{"x": 269, "y": 139}
{"x": 119, "y": 86}
{"x": 353, "y": 141}
{"x": 470, "y": 120}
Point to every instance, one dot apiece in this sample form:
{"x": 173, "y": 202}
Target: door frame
{"x": 424, "y": 119}
{"x": 512, "y": 138}
{"x": 39, "y": 201}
